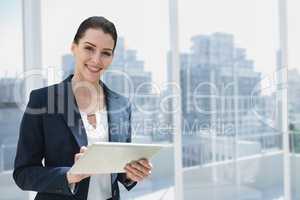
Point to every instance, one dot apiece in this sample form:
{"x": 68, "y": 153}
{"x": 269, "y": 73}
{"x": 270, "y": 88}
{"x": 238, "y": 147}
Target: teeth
{"x": 93, "y": 69}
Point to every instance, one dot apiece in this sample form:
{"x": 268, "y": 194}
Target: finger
{"x": 134, "y": 172}
{"x": 141, "y": 168}
{"x": 75, "y": 178}
{"x": 77, "y": 156}
{"x": 83, "y": 149}
{"x": 132, "y": 176}
{"x": 83, "y": 176}
{"x": 80, "y": 177}
{"x": 145, "y": 163}
{"x": 138, "y": 169}
{"x": 137, "y": 165}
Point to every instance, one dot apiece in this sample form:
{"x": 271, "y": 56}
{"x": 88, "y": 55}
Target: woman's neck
{"x": 89, "y": 95}
{"x": 77, "y": 77}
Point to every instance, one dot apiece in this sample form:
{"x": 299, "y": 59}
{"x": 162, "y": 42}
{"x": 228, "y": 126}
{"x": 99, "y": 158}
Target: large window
{"x": 228, "y": 62}
{"x": 10, "y": 114}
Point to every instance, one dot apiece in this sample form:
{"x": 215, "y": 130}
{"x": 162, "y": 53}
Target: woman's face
{"x": 93, "y": 54}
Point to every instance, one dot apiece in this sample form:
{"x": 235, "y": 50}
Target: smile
{"x": 92, "y": 69}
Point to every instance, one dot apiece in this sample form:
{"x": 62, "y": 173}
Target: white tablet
{"x": 111, "y": 157}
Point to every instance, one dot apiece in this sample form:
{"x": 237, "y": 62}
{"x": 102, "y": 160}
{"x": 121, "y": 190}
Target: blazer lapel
{"x": 68, "y": 109}
{"x": 112, "y": 106}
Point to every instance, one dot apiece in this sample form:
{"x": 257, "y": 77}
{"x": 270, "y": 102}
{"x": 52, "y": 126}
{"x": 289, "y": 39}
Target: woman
{"x": 61, "y": 120}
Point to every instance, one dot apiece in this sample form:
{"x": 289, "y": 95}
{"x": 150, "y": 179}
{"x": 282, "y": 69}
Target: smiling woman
{"x": 138, "y": 69}
{"x": 85, "y": 111}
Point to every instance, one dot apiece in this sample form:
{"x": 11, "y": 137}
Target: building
{"x": 221, "y": 97}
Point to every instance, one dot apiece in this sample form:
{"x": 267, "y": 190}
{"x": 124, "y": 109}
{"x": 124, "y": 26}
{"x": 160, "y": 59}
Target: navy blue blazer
{"x": 52, "y": 132}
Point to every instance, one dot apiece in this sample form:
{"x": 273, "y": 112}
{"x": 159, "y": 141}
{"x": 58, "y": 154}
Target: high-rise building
{"x": 218, "y": 85}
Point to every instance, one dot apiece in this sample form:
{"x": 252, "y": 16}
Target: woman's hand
{"x": 138, "y": 170}
{"x": 75, "y": 178}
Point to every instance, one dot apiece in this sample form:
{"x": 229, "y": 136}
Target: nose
{"x": 97, "y": 60}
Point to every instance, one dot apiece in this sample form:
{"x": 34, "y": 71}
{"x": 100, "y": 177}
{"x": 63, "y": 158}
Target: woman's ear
{"x": 73, "y": 47}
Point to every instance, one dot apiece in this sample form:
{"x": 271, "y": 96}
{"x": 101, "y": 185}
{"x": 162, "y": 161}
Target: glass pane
{"x": 138, "y": 71}
{"x": 294, "y": 94}
{"x": 10, "y": 114}
{"x": 231, "y": 141}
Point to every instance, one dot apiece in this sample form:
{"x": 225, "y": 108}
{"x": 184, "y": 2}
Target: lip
{"x": 93, "y": 69}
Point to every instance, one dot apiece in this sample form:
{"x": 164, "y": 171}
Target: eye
{"x": 89, "y": 48}
{"x": 108, "y": 54}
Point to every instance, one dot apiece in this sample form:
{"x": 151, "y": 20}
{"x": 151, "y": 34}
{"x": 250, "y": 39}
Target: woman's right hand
{"x": 75, "y": 178}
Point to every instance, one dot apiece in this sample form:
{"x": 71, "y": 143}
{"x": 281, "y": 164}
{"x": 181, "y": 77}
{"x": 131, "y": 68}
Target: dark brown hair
{"x": 96, "y": 22}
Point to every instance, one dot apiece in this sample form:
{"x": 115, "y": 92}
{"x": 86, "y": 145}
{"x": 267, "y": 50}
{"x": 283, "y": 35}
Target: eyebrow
{"x": 106, "y": 49}
{"x": 90, "y": 44}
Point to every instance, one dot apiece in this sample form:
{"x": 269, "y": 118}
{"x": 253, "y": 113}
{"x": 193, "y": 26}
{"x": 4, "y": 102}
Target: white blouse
{"x": 100, "y": 184}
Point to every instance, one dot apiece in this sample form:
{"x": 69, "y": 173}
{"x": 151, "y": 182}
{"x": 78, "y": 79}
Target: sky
{"x": 11, "y": 37}
{"x": 145, "y": 26}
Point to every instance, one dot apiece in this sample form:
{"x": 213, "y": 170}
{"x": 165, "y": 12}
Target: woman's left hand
{"x": 138, "y": 170}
